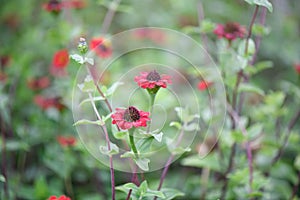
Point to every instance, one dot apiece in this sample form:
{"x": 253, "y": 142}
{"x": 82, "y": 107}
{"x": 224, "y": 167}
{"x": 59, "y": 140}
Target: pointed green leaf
{"x": 94, "y": 99}
{"x": 86, "y": 121}
{"x": 88, "y": 84}
{"x": 264, "y": 3}
{"x": 113, "y": 88}
{"x": 142, "y": 163}
{"x": 247, "y": 87}
{"x": 114, "y": 149}
{"x": 77, "y": 58}
{"x": 171, "y": 193}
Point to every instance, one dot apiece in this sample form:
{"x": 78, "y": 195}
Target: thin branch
{"x": 296, "y": 188}
{"x": 250, "y": 28}
{"x": 109, "y": 16}
{"x": 168, "y": 163}
{"x": 291, "y": 124}
{"x": 112, "y": 174}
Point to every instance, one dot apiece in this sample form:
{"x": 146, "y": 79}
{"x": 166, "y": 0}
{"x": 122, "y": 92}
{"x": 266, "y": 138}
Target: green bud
{"x": 82, "y": 46}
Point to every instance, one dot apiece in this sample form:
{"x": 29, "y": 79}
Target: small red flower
{"x": 297, "y": 68}
{"x": 230, "y": 31}
{"x": 101, "y": 46}
{"x": 155, "y": 35}
{"x": 53, "y": 6}
{"x": 152, "y": 79}
{"x": 203, "y": 85}
{"x": 61, "y": 58}
{"x": 3, "y": 77}
{"x": 77, "y": 4}
{"x": 130, "y": 117}
{"x": 63, "y": 197}
{"x": 38, "y": 83}
{"x": 66, "y": 141}
{"x": 44, "y": 103}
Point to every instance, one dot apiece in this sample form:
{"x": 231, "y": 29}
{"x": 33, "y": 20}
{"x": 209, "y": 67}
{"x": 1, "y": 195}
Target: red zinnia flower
{"x": 53, "y": 6}
{"x": 230, "y": 31}
{"x": 39, "y": 83}
{"x": 66, "y": 141}
{"x": 63, "y": 197}
{"x": 101, "y": 46}
{"x": 152, "y": 79}
{"x": 203, "y": 85}
{"x": 297, "y": 68}
{"x": 44, "y": 103}
{"x": 130, "y": 117}
{"x": 61, "y": 58}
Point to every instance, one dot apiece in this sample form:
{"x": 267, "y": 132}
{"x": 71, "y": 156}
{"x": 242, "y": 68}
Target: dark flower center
{"x": 232, "y": 28}
{"x": 153, "y": 76}
{"x": 53, "y": 3}
{"x": 131, "y": 114}
{"x": 102, "y": 48}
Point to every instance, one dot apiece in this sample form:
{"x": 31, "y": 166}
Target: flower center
{"x": 231, "y": 28}
{"x": 153, "y": 76}
{"x": 103, "y": 48}
{"x": 131, "y": 114}
{"x": 54, "y": 3}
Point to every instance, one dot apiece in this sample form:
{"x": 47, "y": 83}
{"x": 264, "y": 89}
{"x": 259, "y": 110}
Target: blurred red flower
{"x": 3, "y": 77}
{"x": 77, "y": 4}
{"x": 297, "y": 68}
{"x": 101, "y": 46}
{"x": 152, "y": 79}
{"x": 63, "y": 197}
{"x": 230, "y": 31}
{"x": 203, "y": 85}
{"x": 45, "y": 102}
{"x": 38, "y": 83}
{"x": 4, "y": 60}
{"x": 66, "y": 141}
{"x": 61, "y": 58}
{"x": 155, "y": 35}
{"x": 53, "y": 6}
{"x": 130, "y": 117}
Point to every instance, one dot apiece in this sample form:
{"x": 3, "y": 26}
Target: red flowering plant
{"x": 62, "y": 197}
{"x": 203, "y": 85}
{"x": 38, "y": 83}
{"x": 297, "y": 68}
{"x": 53, "y": 6}
{"x": 66, "y": 141}
{"x": 230, "y": 31}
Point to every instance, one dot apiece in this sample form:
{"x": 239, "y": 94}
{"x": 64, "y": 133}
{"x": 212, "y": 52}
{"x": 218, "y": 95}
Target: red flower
{"x": 230, "y": 31}
{"x": 152, "y": 79}
{"x": 155, "y": 35}
{"x": 297, "y": 68}
{"x": 77, "y": 4}
{"x": 44, "y": 103}
{"x": 203, "y": 85}
{"x": 65, "y": 141}
{"x": 101, "y": 46}
{"x": 130, "y": 117}
{"x": 53, "y": 6}
{"x": 39, "y": 83}
{"x": 61, "y": 59}
{"x": 4, "y": 60}
{"x": 63, "y": 197}
{"x": 3, "y": 77}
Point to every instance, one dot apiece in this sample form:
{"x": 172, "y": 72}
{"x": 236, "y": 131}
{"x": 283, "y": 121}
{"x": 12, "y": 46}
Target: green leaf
{"x": 94, "y": 99}
{"x": 258, "y": 67}
{"x": 113, "y": 88}
{"x": 264, "y": 3}
{"x": 2, "y": 178}
{"x": 180, "y": 150}
{"x": 207, "y": 26}
{"x": 254, "y": 131}
{"x": 260, "y": 30}
{"x": 158, "y": 137}
{"x": 191, "y": 30}
{"x": 128, "y": 154}
{"x": 184, "y": 114}
{"x": 238, "y": 136}
{"x": 16, "y": 145}
{"x": 120, "y": 134}
{"x": 247, "y": 87}
{"x": 114, "y": 149}
{"x": 171, "y": 193}
{"x": 191, "y": 127}
{"x": 77, "y": 58}
{"x": 41, "y": 188}
{"x": 211, "y": 161}
{"x": 251, "y": 48}
{"x": 105, "y": 118}
{"x": 88, "y": 85}
{"x": 176, "y": 125}
{"x": 89, "y": 60}
{"x": 297, "y": 162}
{"x": 143, "y": 163}
{"x": 86, "y": 121}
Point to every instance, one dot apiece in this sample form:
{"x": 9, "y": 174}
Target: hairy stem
{"x": 152, "y": 100}
{"x": 112, "y": 173}
{"x": 132, "y": 143}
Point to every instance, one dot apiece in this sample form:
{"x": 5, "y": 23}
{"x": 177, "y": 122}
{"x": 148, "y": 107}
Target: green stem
{"x": 132, "y": 143}
{"x": 152, "y": 100}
